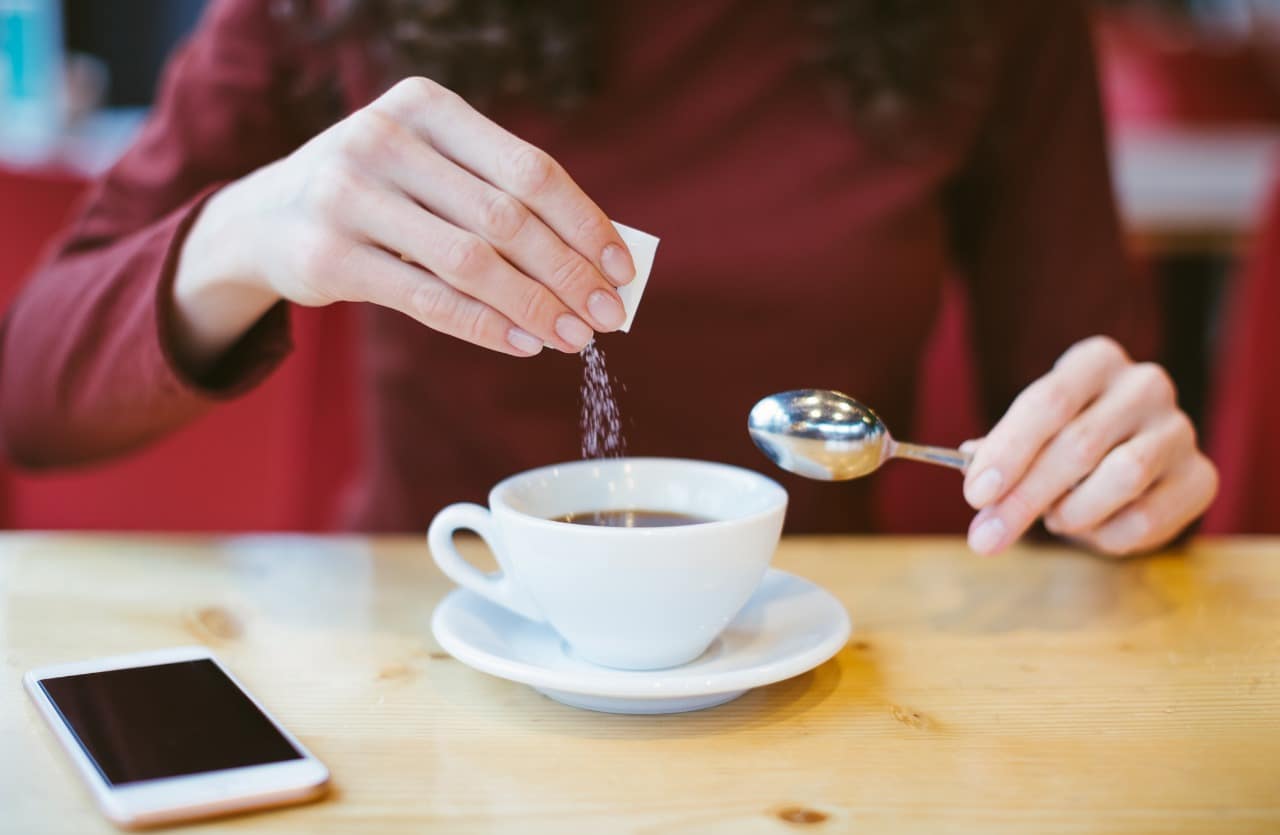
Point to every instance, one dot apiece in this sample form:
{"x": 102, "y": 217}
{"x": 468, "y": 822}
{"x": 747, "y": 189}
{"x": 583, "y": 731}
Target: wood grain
{"x": 1046, "y": 691}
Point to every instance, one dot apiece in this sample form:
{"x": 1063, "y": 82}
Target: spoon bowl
{"x": 829, "y": 436}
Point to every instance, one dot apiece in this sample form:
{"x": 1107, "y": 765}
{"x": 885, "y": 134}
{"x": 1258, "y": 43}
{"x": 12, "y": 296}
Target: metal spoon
{"x": 829, "y": 436}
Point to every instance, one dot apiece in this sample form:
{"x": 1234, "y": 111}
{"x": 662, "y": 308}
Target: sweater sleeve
{"x": 86, "y": 365}
{"x": 1034, "y": 219}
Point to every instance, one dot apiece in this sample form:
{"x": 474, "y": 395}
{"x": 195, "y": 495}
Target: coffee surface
{"x": 631, "y": 518}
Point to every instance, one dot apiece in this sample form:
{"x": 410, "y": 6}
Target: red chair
{"x": 276, "y": 459}
{"x": 930, "y": 500}
{"x": 1162, "y": 77}
{"x": 1159, "y": 73}
{"x": 1242, "y": 433}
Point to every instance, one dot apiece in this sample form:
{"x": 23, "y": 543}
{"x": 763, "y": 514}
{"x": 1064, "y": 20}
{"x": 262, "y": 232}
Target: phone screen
{"x": 166, "y": 720}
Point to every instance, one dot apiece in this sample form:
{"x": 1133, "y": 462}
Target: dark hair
{"x": 900, "y": 61}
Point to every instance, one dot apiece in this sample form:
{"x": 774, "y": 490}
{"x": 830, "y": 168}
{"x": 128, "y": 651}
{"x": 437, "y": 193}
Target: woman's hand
{"x": 1100, "y": 449}
{"x": 417, "y": 203}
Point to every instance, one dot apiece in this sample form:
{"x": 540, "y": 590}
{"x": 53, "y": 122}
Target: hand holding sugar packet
{"x": 643, "y": 248}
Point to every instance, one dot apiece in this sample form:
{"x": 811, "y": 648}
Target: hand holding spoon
{"x": 829, "y": 436}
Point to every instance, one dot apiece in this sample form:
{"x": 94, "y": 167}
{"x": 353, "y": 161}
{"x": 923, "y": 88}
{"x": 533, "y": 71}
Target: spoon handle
{"x": 941, "y": 456}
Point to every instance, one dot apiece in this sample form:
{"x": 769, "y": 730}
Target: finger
{"x": 1124, "y": 475}
{"x": 381, "y": 278}
{"x": 471, "y": 266}
{"x": 1037, "y": 415}
{"x": 519, "y": 235}
{"x": 528, "y": 173}
{"x": 1157, "y": 517}
{"x": 1137, "y": 392}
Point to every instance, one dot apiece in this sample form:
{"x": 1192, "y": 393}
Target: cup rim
{"x": 778, "y": 504}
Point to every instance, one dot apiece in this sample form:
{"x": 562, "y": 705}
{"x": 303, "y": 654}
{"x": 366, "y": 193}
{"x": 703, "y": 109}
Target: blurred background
{"x": 1192, "y": 90}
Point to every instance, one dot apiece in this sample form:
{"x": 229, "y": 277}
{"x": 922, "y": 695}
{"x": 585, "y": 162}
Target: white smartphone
{"x": 170, "y": 735}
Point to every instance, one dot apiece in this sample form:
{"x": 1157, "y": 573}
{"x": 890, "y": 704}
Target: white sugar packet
{"x": 643, "y": 248}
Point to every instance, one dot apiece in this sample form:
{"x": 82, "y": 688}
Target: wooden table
{"x": 1045, "y": 692}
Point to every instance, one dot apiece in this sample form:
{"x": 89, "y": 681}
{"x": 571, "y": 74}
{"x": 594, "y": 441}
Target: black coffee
{"x": 631, "y": 518}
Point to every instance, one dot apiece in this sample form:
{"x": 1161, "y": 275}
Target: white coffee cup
{"x": 630, "y": 598}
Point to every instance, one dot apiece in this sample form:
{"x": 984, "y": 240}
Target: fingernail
{"x": 574, "y": 331}
{"x": 988, "y": 536}
{"x": 969, "y": 447}
{"x": 524, "y": 342}
{"x": 985, "y": 488}
{"x": 617, "y": 264}
{"x": 606, "y": 309}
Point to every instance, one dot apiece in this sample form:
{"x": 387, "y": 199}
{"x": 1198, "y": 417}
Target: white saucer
{"x": 788, "y": 627}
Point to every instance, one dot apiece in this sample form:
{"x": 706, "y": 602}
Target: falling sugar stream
{"x": 601, "y": 421}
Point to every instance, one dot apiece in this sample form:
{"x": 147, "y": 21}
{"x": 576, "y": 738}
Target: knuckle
{"x": 1024, "y": 508}
{"x": 320, "y": 257}
{"x": 1134, "y": 535}
{"x": 535, "y": 304}
{"x": 1154, "y": 382}
{"x": 1140, "y": 527}
{"x": 1052, "y": 401}
{"x": 472, "y": 324}
{"x": 1113, "y": 549}
{"x": 1084, "y": 446}
{"x": 1107, "y": 350}
{"x": 593, "y": 228}
{"x": 370, "y": 136}
{"x": 419, "y": 91}
{"x": 1211, "y": 478}
{"x": 504, "y": 216}
{"x": 331, "y": 190}
{"x": 531, "y": 169}
{"x": 1062, "y": 522}
{"x": 466, "y": 256}
{"x": 432, "y": 303}
{"x": 571, "y": 271}
{"x": 1184, "y": 431}
{"x": 1134, "y": 469}
{"x": 1008, "y": 451}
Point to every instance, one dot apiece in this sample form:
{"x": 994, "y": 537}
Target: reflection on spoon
{"x": 829, "y": 436}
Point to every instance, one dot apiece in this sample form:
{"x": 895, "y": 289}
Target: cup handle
{"x": 499, "y": 587}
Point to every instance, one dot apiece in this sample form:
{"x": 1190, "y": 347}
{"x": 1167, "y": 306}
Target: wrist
{"x": 219, "y": 289}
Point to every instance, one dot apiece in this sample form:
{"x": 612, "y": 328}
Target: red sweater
{"x": 794, "y": 254}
